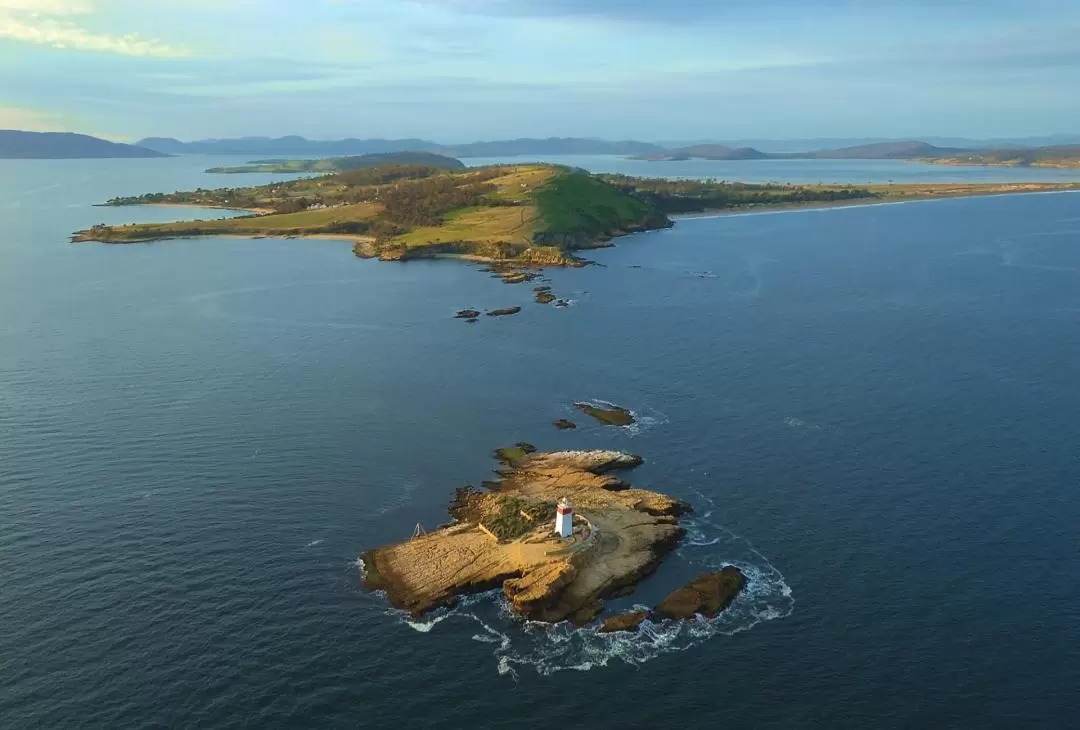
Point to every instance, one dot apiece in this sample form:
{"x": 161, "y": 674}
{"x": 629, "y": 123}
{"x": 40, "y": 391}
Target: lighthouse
{"x": 564, "y": 519}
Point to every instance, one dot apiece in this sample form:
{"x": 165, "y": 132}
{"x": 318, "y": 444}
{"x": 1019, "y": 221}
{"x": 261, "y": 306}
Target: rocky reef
{"x": 503, "y": 538}
{"x": 707, "y": 595}
{"x": 609, "y": 415}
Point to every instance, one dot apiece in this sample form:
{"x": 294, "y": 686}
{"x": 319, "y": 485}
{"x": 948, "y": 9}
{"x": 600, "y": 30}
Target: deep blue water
{"x": 874, "y": 410}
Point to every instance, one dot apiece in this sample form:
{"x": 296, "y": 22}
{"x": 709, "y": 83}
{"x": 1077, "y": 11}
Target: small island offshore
{"x": 558, "y": 533}
{"x": 527, "y": 215}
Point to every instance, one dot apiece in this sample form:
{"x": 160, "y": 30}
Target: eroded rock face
{"x": 707, "y": 595}
{"x": 621, "y": 535}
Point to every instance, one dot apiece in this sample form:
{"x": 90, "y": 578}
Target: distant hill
{"x": 64, "y": 146}
{"x": 551, "y": 146}
{"x": 884, "y": 151}
{"x": 340, "y": 164}
{"x": 348, "y": 147}
{"x": 718, "y": 152}
{"x": 286, "y": 146}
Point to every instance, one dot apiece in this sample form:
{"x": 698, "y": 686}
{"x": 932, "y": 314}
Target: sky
{"x": 464, "y": 70}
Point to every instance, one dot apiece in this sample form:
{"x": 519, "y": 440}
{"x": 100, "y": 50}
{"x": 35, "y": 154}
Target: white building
{"x": 564, "y": 519}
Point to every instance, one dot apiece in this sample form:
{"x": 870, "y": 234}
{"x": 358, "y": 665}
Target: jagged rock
{"x": 544, "y": 297}
{"x": 470, "y": 314}
{"x": 707, "y": 595}
{"x": 623, "y": 622}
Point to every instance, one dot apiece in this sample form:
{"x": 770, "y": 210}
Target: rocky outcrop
{"x": 516, "y": 277}
{"x": 467, "y": 314}
{"x": 609, "y": 415}
{"x": 564, "y": 425}
{"x": 707, "y": 595}
{"x": 544, "y": 297}
{"x": 623, "y": 622}
{"x": 504, "y": 312}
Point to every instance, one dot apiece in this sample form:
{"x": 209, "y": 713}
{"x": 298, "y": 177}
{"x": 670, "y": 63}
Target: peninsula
{"x": 1060, "y": 156}
{"x": 537, "y": 214}
{"x": 612, "y": 536}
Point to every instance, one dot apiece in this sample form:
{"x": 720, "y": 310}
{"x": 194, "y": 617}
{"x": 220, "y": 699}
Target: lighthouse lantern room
{"x": 564, "y": 519}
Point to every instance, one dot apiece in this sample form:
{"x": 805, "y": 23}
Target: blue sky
{"x": 460, "y": 70}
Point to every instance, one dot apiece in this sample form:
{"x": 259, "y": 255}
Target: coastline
{"x": 256, "y": 211}
{"x": 1056, "y": 188}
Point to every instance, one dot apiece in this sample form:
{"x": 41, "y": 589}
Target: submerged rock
{"x": 470, "y": 314}
{"x": 544, "y": 297}
{"x": 608, "y": 415}
{"x": 504, "y": 312}
{"x": 707, "y": 595}
{"x": 564, "y": 425}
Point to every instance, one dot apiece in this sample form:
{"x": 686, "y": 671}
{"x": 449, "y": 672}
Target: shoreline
{"x": 343, "y": 237}
{"x": 872, "y": 202}
{"x": 256, "y": 211}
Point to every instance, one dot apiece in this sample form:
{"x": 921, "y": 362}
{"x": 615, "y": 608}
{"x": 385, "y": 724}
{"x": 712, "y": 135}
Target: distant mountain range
{"x": 875, "y": 150}
{"x": 350, "y": 147}
{"x": 61, "y": 145}
{"x": 16, "y": 144}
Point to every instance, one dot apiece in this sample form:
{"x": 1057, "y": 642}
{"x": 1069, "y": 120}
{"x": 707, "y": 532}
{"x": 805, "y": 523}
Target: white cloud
{"x": 48, "y": 7}
{"x": 46, "y": 22}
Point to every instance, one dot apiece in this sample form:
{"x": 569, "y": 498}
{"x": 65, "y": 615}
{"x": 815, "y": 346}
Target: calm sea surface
{"x": 873, "y": 409}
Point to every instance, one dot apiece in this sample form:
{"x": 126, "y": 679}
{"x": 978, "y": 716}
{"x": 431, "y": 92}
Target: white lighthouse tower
{"x": 564, "y": 519}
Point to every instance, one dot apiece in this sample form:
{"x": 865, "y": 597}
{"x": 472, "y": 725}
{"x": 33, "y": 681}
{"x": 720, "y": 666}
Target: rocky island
{"x": 503, "y": 537}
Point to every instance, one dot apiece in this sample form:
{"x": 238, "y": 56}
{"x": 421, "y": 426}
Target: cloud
{"x": 31, "y": 120}
{"x": 46, "y": 22}
{"x": 48, "y": 7}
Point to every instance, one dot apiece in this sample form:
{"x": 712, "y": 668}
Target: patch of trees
{"x": 694, "y": 196}
{"x": 386, "y": 174}
{"x": 425, "y": 202}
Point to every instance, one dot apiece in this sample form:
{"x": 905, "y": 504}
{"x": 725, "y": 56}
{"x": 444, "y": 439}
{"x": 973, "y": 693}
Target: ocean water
{"x": 873, "y": 410}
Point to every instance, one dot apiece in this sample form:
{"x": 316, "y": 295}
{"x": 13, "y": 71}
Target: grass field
{"x": 580, "y": 203}
{"x": 512, "y": 224}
